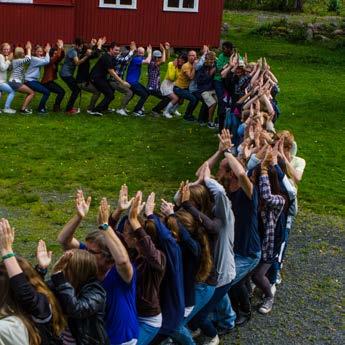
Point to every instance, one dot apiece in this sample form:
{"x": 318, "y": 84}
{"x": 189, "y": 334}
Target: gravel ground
{"x": 310, "y": 302}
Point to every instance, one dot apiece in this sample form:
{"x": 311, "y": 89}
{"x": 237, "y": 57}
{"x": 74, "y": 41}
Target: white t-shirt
{"x": 13, "y": 331}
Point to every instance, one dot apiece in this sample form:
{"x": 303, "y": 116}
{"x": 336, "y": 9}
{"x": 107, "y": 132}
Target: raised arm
{"x": 116, "y": 248}
{"x": 149, "y": 55}
{"x": 235, "y": 165}
{"x": 66, "y": 236}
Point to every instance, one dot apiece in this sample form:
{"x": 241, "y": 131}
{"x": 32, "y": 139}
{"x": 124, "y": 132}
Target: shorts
{"x": 167, "y": 87}
{"x": 209, "y": 97}
{"x": 15, "y": 85}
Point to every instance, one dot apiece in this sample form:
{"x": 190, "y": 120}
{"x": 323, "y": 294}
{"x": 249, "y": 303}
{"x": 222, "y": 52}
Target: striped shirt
{"x": 18, "y": 71}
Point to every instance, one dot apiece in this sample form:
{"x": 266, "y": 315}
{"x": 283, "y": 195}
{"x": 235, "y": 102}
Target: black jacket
{"x": 85, "y": 311}
{"x": 37, "y": 306}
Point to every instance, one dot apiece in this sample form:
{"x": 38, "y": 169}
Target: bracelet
{"x": 8, "y": 256}
{"x": 228, "y": 150}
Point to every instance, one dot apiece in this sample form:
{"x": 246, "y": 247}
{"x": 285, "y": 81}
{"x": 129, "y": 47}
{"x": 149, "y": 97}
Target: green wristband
{"x": 7, "y": 256}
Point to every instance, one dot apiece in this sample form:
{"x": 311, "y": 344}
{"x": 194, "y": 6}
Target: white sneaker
{"x": 121, "y": 112}
{"x": 138, "y": 113}
{"x": 266, "y": 306}
{"x": 213, "y": 341}
{"x": 9, "y": 111}
{"x": 167, "y": 115}
{"x": 177, "y": 113}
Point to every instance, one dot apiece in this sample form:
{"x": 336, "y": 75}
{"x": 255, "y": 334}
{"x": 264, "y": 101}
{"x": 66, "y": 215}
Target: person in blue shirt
{"x": 115, "y": 271}
{"x": 133, "y": 78}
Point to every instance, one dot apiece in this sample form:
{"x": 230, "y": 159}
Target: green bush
{"x": 334, "y": 6}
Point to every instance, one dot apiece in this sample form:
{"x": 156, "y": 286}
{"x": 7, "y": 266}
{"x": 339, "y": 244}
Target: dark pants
{"x": 103, "y": 86}
{"x": 53, "y": 87}
{"x": 203, "y": 113}
{"x": 73, "y": 86}
{"x": 38, "y": 87}
{"x": 142, "y": 92}
{"x": 219, "y": 88}
{"x": 162, "y": 104}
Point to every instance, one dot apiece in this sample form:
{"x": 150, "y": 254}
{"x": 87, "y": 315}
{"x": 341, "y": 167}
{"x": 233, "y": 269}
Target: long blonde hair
{"x": 81, "y": 267}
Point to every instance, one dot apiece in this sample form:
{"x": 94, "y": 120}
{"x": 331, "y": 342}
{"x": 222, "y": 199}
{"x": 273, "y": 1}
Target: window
{"x": 126, "y": 4}
{"x": 181, "y": 5}
{"x": 18, "y": 1}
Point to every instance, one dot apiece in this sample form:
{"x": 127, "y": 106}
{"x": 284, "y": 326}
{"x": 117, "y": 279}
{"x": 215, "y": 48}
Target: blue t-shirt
{"x": 247, "y": 238}
{"x": 68, "y": 67}
{"x": 121, "y": 313}
{"x": 121, "y": 321}
{"x": 134, "y": 70}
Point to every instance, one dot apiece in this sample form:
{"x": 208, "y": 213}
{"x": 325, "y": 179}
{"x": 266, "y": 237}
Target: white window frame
{"x": 117, "y": 5}
{"x": 17, "y": 1}
{"x": 181, "y": 8}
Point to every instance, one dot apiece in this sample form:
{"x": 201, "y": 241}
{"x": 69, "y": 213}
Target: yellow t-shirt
{"x": 182, "y": 80}
{"x": 172, "y": 72}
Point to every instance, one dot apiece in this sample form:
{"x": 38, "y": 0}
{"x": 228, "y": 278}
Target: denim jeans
{"x": 219, "y": 88}
{"x": 202, "y": 320}
{"x": 4, "y": 87}
{"x": 38, "y": 87}
{"x": 233, "y": 122}
{"x": 224, "y": 314}
{"x": 142, "y": 92}
{"x": 203, "y": 293}
{"x": 146, "y": 333}
{"x": 186, "y": 94}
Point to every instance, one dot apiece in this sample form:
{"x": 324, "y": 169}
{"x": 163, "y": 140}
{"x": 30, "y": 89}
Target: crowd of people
{"x": 206, "y": 79}
{"x": 152, "y": 275}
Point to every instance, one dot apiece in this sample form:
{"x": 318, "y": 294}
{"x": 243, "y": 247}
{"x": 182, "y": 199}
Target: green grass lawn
{"x": 44, "y": 159}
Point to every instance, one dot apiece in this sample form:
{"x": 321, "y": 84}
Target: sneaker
{"x": 279, "y": 276}
{"x": 155, "y": 113}
{"x": 138, "y": 113}
{"x": 177, "y": 113}
{"x": 242, "y": 318}
{"x": 213, "y": 341}
{"x": 95, "y": 113}
{"x": 8, "y": 111}
{"x": 267, "y": 305}
{"x": 167, "y": 115}
{"x": 202, "y": 123}
{"x": 121, "y": 112}
{"x": 26, "y": 111}
{"x": 224, "y": 330}
{"x": 73, "y": 111}
{"x": 189, "y": 118}
{"x": 196, "y": 333}
{"x": 89, "y": 111}
{"x": 111, "y": 110}
{"x": 42, "y": 112}
{"x": 211, "y": 125}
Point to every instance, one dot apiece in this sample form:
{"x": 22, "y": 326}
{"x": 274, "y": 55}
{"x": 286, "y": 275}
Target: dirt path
{"x": 310, "y": 302}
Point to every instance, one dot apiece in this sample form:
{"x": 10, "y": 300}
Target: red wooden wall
{"x": 150, "y": 24}
{"x": 47, "y": 20}
{"x": 42, "y": 22}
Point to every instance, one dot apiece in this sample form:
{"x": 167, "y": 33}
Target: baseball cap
{"x": 157, "y": 54}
